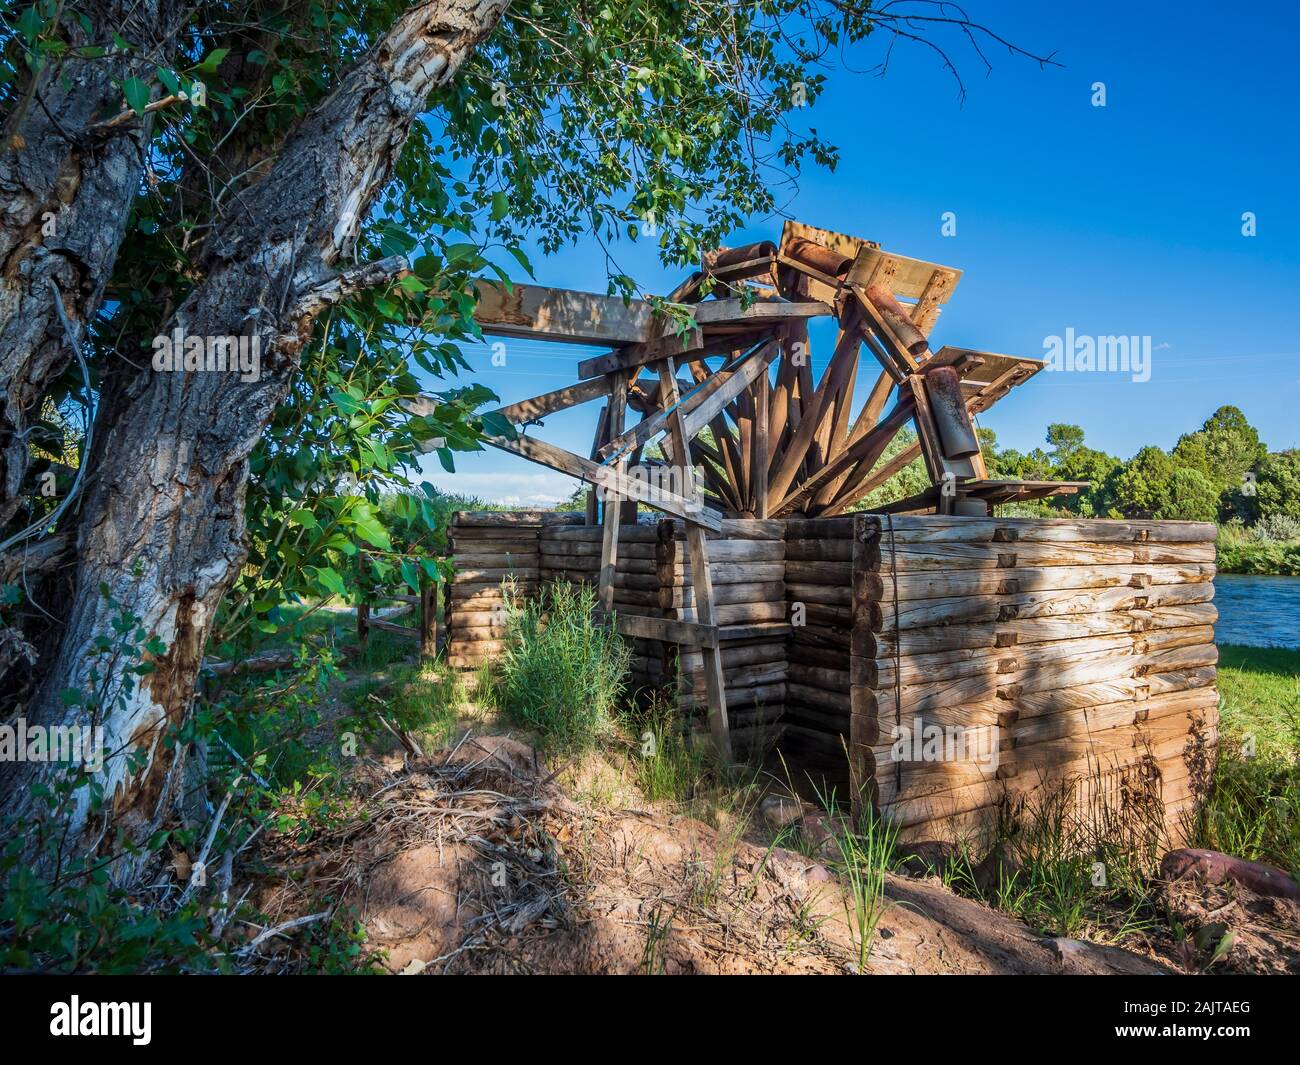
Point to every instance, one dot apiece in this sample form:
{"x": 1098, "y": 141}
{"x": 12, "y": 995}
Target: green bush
{"x": 1264, "y": 558}
{"x": 562, "y": 673}
{"x": 1276, "y": 528}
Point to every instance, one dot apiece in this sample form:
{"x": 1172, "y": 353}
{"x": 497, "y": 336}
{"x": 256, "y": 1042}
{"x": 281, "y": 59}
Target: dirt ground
{"x": 476, "y": 860}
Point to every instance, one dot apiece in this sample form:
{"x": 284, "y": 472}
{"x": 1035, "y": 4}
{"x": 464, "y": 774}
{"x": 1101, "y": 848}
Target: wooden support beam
{"x": 688, "y": 633}
{"x": 428, "y": 620}
{"x": 654, "y": 424}
{"x": 530, "y": 410}
{"x": 610, "y": 514}
{"x": 701, "y": 581}
{"x": 699, "y": 341}
{"x": 602, "y": 434}
{"x": 641, "y": 354}
{"x": 750, "y": 369}
{"x": 762, "y": 436}
{"x": 592, "y": 472}
{"x": 764, "y": 312}
{"x": 725, "y": 441}
{"x": 539, "y": 313}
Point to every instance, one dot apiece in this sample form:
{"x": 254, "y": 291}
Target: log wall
{"x": 487, "y": 548}
{"x": 1060, "y": 652}
{"x": 819, "y": 604}
{"x": 747, "y": 570}
{"x": 652, "y": 579}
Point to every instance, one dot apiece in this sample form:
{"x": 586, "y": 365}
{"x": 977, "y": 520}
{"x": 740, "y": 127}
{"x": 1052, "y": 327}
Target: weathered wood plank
{"x": 530, "y": 410}
{"x": 668, "y": 630}
{"x": 539, "y": 313}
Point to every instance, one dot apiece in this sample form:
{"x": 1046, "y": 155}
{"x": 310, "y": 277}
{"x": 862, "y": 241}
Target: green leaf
{"x": 213, "y": 60}
{"x": 497, "y": 424}
{"x": 521, "y": 259}
{"x": 411, "y": 576}
{"x": 330, "y": 580}
{"x": 500, "y": 206}
{"x": 30, "y": 25}
{"x": 137, "y": 94}
{"x": 374, "y": 534}
{"x": 170, "y": 81}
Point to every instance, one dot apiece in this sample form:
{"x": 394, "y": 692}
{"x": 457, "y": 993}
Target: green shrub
{"x": 562, "y": 673}
{"x": 1263, "y": 557}
{"x": 1277, "y": 528}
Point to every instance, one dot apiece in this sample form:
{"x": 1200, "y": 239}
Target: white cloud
{"x": 530, "y": 488}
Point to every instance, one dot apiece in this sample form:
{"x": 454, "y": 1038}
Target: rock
{"x": 996, "y": 870}
{"x": 927, "y": 858}
{"x": 817, "y": 831}
{"x": 1216, "y": 868}
{"x": 1067, "y": 949}
{"x": 780, "y": 811}
{"x": 818, "y": 874}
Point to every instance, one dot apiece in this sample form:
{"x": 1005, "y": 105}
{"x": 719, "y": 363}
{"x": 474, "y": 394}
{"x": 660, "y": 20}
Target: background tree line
{"x": 1222, "y": 472}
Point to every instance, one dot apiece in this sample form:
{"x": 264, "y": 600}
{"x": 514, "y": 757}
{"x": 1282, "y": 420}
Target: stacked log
{"x": 489, "y": 548}
{"x": 747, "y": 574}
{"x": 1031, "y": 656}
{"x": 1035, "y": 655}
{"x": 572, "y": 553}
{"x": 819, "y": 599}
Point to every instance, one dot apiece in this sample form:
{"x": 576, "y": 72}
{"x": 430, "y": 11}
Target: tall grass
{"x": 667, "y": 765}
{"x": 1074, "y": 870}
{"x": 864, "y": 853}
{"x": 562, "y": 671}
{"x": 1254, "y": 808}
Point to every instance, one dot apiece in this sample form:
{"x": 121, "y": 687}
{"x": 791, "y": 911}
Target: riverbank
{"x": 1244, "y": 550}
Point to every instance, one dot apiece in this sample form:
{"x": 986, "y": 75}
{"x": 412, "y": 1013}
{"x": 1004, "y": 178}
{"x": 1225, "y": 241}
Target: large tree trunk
{"x": 162, "y": 527}
{"x": 66, "y": 183}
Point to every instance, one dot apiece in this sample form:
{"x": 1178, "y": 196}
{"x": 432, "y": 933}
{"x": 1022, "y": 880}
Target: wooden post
{"x": 612, "y": 510}
{"x": 697, "y": 543}
{"x": 428, "y": 620}
{"x": 602, "y": 425}
{"x": 762, "y": 402}
{"x": 363, "y": 624}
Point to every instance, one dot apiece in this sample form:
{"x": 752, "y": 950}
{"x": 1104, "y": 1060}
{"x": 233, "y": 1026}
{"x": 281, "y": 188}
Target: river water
{"x": 1257, "y": 611}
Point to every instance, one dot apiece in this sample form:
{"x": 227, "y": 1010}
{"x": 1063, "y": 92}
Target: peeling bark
{"x": 162, "y": 525}
{"x": 66, "y": 194}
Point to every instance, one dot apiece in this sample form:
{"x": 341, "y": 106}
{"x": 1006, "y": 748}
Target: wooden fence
{"x": 424, "y": 606}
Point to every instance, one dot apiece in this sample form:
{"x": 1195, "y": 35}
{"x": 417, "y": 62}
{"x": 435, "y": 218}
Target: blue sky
{"x": 1116, "y": 220}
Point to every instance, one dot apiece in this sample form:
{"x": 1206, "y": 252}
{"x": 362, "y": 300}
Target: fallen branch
{"x": 280, "y": 929}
